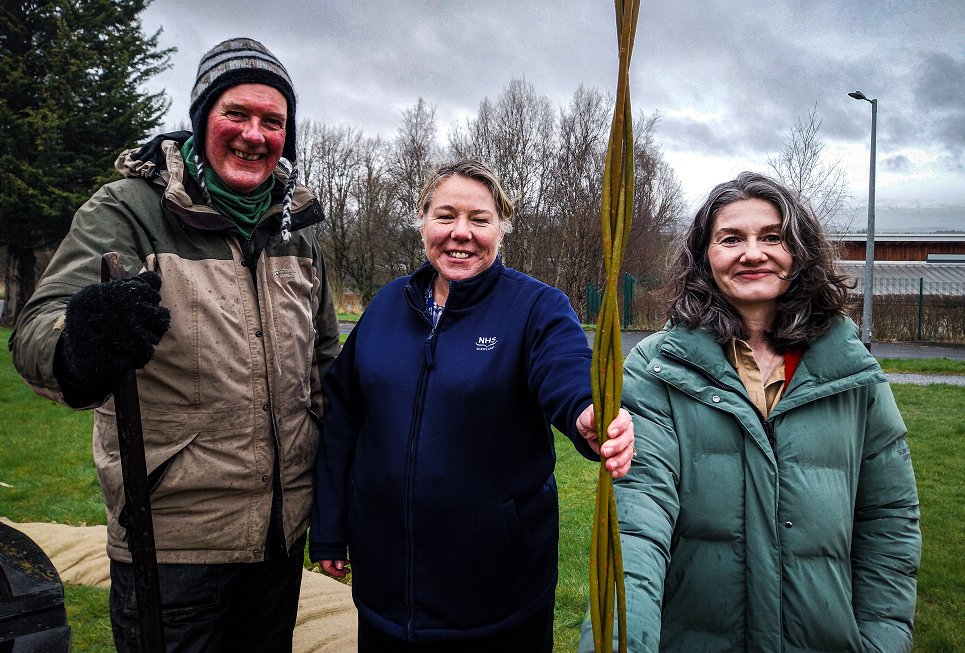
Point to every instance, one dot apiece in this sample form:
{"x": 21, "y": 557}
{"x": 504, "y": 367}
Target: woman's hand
{"x": 335, "y": 568}
{"x": 618, "y": 450}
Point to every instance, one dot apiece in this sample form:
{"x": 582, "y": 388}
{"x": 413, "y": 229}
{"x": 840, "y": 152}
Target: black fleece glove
{"x": 109, "y": 328}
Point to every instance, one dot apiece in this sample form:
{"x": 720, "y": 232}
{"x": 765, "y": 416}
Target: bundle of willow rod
{"x": 606, "y": 559}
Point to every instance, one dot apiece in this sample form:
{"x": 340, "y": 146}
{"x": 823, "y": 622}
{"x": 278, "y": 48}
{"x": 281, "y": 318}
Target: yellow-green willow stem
{"x": 606, "y": 559}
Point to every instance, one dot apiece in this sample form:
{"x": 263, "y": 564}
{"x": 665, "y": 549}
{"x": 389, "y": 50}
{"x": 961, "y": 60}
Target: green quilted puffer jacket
{"x": 798, "y": 532}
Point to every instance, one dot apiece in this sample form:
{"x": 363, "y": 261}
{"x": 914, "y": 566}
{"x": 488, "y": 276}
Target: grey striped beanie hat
{"x": 232, "y": 62}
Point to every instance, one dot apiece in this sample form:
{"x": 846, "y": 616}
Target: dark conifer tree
{"x": 72, "y": 76}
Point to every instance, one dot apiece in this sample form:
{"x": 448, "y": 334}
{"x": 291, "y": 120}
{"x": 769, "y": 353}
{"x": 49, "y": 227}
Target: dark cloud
{"x": 759, "y": 67}
{"x": 941, "y": 82}
{"x": 682, "y": 133}
{"x": 940, "y": 95}
{"x": 897, "y": 164}
{"x": 729, "y": 79}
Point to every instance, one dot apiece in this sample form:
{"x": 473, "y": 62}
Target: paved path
{"x": 879, "y": 349}
{"x": 915, "y": 350}
{"x": 925, "y": 379}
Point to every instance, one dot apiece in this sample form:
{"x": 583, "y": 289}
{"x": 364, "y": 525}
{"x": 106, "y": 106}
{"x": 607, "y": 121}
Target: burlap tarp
{"x": 327, "y": 620}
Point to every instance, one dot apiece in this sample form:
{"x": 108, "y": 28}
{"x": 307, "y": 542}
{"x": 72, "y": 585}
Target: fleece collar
{"x": 462, "y": 294}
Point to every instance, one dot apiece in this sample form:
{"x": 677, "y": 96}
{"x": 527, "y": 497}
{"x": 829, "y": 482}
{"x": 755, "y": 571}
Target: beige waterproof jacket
{"x": 234, "y": 382}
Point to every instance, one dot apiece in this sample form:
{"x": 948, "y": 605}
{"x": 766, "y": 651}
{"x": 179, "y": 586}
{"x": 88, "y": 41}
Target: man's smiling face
{"x": 245, "y": 135}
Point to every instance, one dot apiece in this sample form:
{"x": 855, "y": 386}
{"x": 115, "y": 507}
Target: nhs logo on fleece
{"x": 485, "y": 344}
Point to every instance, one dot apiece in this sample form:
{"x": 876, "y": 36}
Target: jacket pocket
{"x": 514, "y": 536}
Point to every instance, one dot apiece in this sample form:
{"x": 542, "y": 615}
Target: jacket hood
{"x": 833, "y": 362}
{"x": 159, "y": 161}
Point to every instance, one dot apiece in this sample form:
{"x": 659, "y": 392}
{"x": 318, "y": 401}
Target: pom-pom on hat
{"x": 232, "y": 62}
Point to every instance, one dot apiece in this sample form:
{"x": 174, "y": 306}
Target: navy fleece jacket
{"x": 435, "y": 466}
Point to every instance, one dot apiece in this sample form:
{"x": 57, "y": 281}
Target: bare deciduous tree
{"x": 658, "y": 209}
{"x": 658, "y": 200}
{"x": 330, "y": 168}
{"x": 583, "y": 129}
{"x": 366, "y": 260}
{"x": 802, "y": 166}
{"x": 550, "y": 161}
{"x": 414, "y": 153}
{"x": 514, "y": 135}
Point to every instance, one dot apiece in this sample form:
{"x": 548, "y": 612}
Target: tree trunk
{"x": 21, "y": 279}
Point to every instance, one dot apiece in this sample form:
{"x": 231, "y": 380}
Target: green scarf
{"x": 245, "y": 210}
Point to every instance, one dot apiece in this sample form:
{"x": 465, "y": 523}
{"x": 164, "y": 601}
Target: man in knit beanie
{"x": 230, "y": 325}
{"x": 233, "y": 62}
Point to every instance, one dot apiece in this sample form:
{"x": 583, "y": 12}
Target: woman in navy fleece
{"x": 435, "y": 467}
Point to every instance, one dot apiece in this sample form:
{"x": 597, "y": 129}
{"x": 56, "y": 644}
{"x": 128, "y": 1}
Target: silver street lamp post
{"x": 869, "y": 269}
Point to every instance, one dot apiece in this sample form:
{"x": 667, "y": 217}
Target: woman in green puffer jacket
{"x": 772, "y": 503}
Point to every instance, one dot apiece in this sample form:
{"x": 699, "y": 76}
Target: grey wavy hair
{"x": 817, "y": 296}
{"x": 469, "y": 169}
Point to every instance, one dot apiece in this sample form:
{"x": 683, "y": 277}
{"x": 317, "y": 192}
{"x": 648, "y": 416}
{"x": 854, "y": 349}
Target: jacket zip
{"x": 771, "y": 440}
{"x": 250, "y": 257}
{"x": 409, "y": 472}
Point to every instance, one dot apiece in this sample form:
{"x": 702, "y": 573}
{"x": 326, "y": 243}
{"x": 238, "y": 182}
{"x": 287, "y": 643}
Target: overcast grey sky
{"x": 728, "y": 78}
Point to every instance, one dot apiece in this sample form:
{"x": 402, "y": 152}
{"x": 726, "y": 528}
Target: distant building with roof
{"x": 945, "y": 247}
{"x": 906, "y": 264}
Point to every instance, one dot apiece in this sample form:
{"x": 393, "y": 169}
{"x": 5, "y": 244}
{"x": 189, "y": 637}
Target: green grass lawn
{"x": 923, "y": 365}
{"x": 576, "y": 481}
{"x": 935, "y": 417}
{"x": 46, "y": 474}
{"x": 46, "y": 464}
